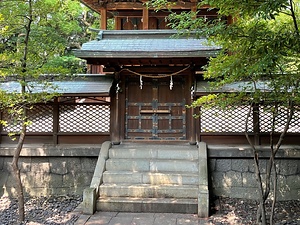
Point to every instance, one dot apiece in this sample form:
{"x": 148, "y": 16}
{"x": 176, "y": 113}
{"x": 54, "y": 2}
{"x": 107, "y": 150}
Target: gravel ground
{"x": 56, "y": 210}
{"x": 237, "y": 211}
{"x": 43, "y": 210}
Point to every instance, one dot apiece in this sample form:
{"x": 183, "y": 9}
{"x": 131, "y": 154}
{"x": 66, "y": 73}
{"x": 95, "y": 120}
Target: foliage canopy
{"x": 260, "y": 45}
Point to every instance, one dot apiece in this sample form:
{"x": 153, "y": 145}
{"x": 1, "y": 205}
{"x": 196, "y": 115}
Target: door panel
{"x": 155, "y": 112}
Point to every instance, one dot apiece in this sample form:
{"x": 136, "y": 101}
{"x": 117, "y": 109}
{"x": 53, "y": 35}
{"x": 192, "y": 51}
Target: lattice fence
{"x": 266, "y": 120}
{"x": 225, "y": 121}
{"x": 233, "y": 120}
{"x": 75, "y": 118}
{"x": 41, "y": 118}
{"x": 84, "y": 118}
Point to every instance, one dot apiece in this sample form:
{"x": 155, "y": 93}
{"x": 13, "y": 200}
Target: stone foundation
{"x": 233, "y": 175}
{"x": 55, "y": 170}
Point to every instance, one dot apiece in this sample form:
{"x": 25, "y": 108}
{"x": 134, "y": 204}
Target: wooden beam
{"x": 124, "y": 5}
{"x": 155, "y": 69}
{"x": 103, "y": 19}
{"x": 145, "y": 18}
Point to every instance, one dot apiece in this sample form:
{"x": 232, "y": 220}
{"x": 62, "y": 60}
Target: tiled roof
{"x": 87, "y": 84}
{"x": 145, "y": 43}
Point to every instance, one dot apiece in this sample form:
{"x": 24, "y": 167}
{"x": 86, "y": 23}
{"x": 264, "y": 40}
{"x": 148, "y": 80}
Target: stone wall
{"x": 232, "y": 173}
{"x": 50, "y": 170}
{"x": 68, "y": 169}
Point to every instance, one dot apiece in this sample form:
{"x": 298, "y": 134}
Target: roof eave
{"x": 84, "y": 54}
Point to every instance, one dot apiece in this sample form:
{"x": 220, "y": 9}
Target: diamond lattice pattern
{"x": 40, "y": 117}
{"x": 281, "y": 118}
{"x": 225, "y": 121}
{"x": 84, "y": 118}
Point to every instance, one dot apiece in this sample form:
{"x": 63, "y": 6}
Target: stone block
{"x": 262, "y": 166}
{"x": 68, "y": 180}
{"x": 1, "y": 163}
{"x": 10, "y": 181}
{"x": 83, "y": 179}
{"x": 84, "y": 218}
{"x": 223, "y": 165}
{"x": 40, "y": 164}
{"x": 25, "y": 164}
{"x": 123, "y": 220}
{"x": 88, "y": 164}
{"x": 249, "y": 179}
{"x": 289, "y": 195}
{"x": 203, "y": 204}
{"x": 288, "y": 167}
{"x": 37, "y": 191}
{"x": 174, "y": 166}
{"x": 74, "y": 165}
{"x": 58, "y": 165}
{"x": 7, "y": 164}
{"x": 3, "y": 179}
{"x": 148, "y": 191}
{"x": 28, "y": 179}
{"x": 217, "y": 179}
{"x": 170, "y": 178}
{"x": 177, "y": 154}
{"x": 141, "y": 220}
{"x": 98, "y": 173}
{"x": 241, "y": 192}
{"x": 233, "y": 179}
{"x": 60, "y": 191}
{"x": 56, "y": 180}
{"x": 104, "y": 151}
{"x": 89, "y": 201}
{"x": 240, "y": 165}
{"x": 127, "y": 165}
{"x": 133, "y": 153}
{"x": 120, "y": 206}
{"x": 293, "y": 182}
{"x": 212, "y": 165}
{"x": 122, "y": 177}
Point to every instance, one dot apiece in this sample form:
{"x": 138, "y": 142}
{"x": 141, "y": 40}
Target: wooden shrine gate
{"x": 155, "y": 109}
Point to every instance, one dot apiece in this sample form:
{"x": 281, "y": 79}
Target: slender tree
{"x": 34, "y": 35}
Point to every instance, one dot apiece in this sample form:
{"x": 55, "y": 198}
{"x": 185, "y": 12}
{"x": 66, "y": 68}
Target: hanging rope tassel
{"x": 141, "y": 82}
{"x": 171, "y": 83}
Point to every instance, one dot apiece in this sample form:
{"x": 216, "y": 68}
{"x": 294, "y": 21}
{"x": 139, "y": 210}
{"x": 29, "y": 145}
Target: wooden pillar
{"x": 197, "y": 124}
{"x": 103, "y": 19}
{"x": 194, "y": 5}
{"x": 145, "y": 18}
{"x": 118, "y": 23}
{"x": 190, "y": 112}
{"x": 55, "y": 121}
{"x": 256, "y": 127}
{"x": 115, "y": 126}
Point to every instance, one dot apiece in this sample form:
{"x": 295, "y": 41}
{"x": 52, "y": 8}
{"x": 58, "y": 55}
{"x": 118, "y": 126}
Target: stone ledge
{"x": 225, "y": 151}
{"x": 53, "y": 150}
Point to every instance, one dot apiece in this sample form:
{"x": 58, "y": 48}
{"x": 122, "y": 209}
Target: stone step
{"x": 155, "y": 152}
{"x": 142, "y": 165}
{"x": 150, "y": 178}
{"x": 157, "y": 205}
{"x": 148, "y": 191}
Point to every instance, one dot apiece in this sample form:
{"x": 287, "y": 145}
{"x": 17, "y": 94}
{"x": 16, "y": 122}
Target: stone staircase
{"x": 150, "y": 178}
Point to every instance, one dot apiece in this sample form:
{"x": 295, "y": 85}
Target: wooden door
{"x": 157, "y": 111}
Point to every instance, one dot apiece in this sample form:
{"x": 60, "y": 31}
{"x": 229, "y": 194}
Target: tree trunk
{"x": 17, "y": 175}
{"x": 261, "y": 211}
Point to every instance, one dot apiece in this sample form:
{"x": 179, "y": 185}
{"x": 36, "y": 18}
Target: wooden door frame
{"x": 118, "y": 122}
